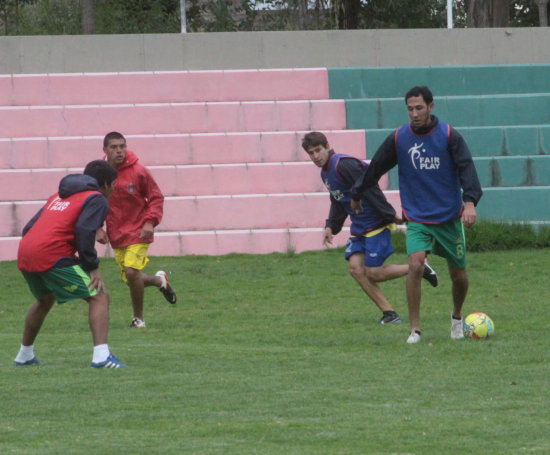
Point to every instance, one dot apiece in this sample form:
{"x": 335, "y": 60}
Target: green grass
{"x": 282, "y": 354}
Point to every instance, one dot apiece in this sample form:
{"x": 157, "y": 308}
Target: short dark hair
{"x": 420, "y": 90}
{"x": 102, "y": 171}
{"x": 314, "y": 139}
{"x": 112, "y": 135}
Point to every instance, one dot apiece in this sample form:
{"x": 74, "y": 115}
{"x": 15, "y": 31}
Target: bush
{"x": 494, "y": 236}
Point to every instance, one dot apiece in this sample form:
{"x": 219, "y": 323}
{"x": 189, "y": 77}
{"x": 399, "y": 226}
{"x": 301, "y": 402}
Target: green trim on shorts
{"x": 65, "y": 283}
{"x": 447, "y": 240}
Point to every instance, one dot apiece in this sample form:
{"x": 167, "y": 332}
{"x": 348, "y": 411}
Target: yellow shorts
{"x": 134, "y": 256}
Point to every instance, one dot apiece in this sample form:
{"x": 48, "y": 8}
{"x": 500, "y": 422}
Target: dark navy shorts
{"x": 376, "y": 248}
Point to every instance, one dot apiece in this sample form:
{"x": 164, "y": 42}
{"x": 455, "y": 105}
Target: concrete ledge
{"x": 255, "y": 50}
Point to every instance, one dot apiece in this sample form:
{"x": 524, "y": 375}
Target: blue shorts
{"x": 376, "y": 248}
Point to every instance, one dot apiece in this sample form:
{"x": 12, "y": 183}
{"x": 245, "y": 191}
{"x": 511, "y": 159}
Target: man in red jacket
{"x": 136, "y": 207}
{"x": 64, "y": 226}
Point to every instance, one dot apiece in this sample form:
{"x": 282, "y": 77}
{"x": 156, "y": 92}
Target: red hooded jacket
{"x": 136, "y": 199}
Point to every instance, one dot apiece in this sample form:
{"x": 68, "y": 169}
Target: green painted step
{"x": 490, "y": 110}
{"x": 486, "y": 141}
{"x": 503, "y": 171}
{"x": 527, "y": 204}
{"x": 394, "y": 82}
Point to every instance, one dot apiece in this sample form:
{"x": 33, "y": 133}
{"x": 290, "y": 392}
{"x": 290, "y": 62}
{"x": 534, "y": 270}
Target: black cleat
{"x": 429, "y": 275}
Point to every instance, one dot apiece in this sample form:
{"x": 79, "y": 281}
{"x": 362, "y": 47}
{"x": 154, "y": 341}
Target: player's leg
{"x": 450, "y": 242}
{"x": 98, "y": 317}
{"x": 460, "y": 284}
{"x": 419, "y": 240}
{"x": 378, "y": 248}
{"x": 33, "y": 322}
{"x": 34, "y": 319}
{"x": 135, "y": 281}
{"x": 414, "y": 287}
{"x": 131, "y": 260}
{"x": 355, "y": 254}
{"x": 358, "y": 271}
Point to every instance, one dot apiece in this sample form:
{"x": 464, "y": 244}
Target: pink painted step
{"x": 194, "y": 180}
{"x": 290, "y": 210}
{"x": 216, "y": 243}
{"x": 247, "y": 241}
{"x": 260, "y": 211}
{"x": 170, "y": 149}
{"x": 164, "y": 87}
{"x": 172, "y": 118}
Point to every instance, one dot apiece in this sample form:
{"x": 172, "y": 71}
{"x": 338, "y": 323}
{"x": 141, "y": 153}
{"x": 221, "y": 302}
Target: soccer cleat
{"x": 33, "y": 361}
{"x": 414, "y": 337}
{"x": 138, "y": 323}
{"x": 457, "y": 332}
{"x": 390, "y": 317}
{"x": 111, "y": 362}
{"x": 165, "y": 287}
{"x": 429, "y": 274}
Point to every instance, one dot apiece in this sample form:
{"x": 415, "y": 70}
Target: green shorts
{"x": 446, "y": 240}
{"x": 65, "y": 283}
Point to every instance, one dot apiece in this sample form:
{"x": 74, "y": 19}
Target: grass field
{"x": 282, "y": 354}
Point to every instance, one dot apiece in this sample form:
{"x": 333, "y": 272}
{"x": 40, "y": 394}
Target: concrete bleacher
{"x": 502, "y": 111}
{"x": 224, "y": 147}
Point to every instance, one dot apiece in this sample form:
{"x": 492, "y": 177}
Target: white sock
{"x": 25, "y": 353}
{"x": 101, "y": 352}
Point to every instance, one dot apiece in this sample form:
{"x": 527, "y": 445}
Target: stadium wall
{"x": 259, "y": 50}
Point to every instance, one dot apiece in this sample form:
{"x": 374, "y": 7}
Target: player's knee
{"x": 131, "y": 274}
{"x": 356, "y": 270}
{"x": 375, "y": 273}
{"x": 416, "y": 269}
{"x": 458, "y": 276}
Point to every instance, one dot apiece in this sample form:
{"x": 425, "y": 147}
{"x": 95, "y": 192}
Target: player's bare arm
{"x": 469, "y": 214}
{"x": 147, "y": 230}
{"x": 96, "y": 281}
{"x": 356, "y": 206}
{"x": 101, "y": 236}
{"x": 327, "y": 237}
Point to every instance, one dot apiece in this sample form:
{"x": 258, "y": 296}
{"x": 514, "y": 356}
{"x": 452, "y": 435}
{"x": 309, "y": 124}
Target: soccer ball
{"x": 478, "y": 326}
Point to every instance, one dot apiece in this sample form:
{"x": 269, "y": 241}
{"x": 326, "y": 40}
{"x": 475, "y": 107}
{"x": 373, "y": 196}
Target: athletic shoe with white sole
{"x": 111, "y": 362}
{"x": 390, "y": 317}
{"x": 138, "y": 323}
{"x": 456, "y": 328}
{"x": 414, "y": 337}
{"x": 430, "y": 275}
{"x": 33, "y": 361}
{"x": 165, "y": 287}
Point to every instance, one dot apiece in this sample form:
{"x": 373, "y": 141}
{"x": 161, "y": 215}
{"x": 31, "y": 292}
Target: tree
{"x": 88, "y": 16}
{"x": 543, "y": 13}
{"x": 347, "y": 13}
{"x": 488, "y": 13}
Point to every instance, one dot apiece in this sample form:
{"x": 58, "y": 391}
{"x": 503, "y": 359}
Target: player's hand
{"x": 356, "y": 206}
{"x": 469, "y": 214}
{"x": 101, "y": 236}
{"x": 96, "y": 281}
{"x": 327, "y": 237}
{"x": 147, "y": 231}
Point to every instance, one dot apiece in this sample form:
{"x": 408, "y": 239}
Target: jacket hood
{"x": 130, "y": 160}
{"x": 76, "y": 183}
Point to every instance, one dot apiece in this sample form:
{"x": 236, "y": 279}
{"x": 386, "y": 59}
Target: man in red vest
{"x": 64, "y": 226}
